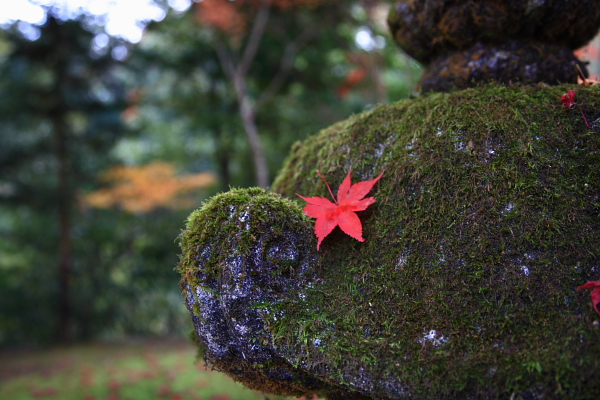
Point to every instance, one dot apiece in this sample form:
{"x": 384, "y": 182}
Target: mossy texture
{"x": 506, "y": 62}
{"x": 427, "y": 28}
{"x": 245, "y": 252}
{"x": 464, "y": 43}
{"x": 486, "y": 220}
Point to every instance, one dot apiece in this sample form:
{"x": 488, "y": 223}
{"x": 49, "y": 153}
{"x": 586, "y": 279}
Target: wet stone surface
{"x": 542, "y": 31}
{"x": 485, "y": 223}
{"x": 508, "y": 62}
{"x": 230, "y": 306}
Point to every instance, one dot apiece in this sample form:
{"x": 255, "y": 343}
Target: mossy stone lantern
{"x": 486, "y": 220}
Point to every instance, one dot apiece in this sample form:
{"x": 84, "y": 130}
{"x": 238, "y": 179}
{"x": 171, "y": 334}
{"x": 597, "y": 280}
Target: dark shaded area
{"x": 496, "y": 38}
{"x": 510, "y": 62}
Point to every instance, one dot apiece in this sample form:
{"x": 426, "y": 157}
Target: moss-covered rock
{"x": 244, "y": 253}
{"x": 464, "y": 43}
{"x": 427, "y": 28}
{"x": 487, "y": 219}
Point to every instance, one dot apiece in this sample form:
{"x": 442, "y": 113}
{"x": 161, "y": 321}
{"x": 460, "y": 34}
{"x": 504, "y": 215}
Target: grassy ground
{"x": 133, "y": 370}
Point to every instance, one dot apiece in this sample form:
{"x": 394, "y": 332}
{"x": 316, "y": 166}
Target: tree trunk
{"x": 64, "y": 221}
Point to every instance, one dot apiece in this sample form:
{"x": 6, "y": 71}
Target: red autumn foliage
{"x": 356, "y": 76}
{"x": 45, "y": 392}
{"x": 590, "y": 54}
{"x": 223, "y": 15}
{"x": 353, "y": 78}
{"x": 164, "y": 390}
{"x": 87, "y": 376}
{"x": 342, "y": 212}
{"x": 568, "y": 101}
{"x": 231, "y": 18}
{"x": 595, "y": 293}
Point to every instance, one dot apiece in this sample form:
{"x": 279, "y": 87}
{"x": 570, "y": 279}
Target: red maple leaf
{"x": 595, "y": 293}
{"x": 568, "y": 101}
{"x": 342, "y": 212}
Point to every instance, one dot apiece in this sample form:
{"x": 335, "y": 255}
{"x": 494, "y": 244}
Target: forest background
{"x": 107, "y": 144}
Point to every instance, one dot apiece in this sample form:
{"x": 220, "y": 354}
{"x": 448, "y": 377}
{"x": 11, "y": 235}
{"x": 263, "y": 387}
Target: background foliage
{"x": 106, "y": 146}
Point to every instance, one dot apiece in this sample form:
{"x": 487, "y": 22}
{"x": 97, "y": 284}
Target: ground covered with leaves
{"x": 133, "y": 370}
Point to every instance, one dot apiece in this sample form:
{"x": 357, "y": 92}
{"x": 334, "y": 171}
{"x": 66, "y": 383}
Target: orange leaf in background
{"x": 353, "y": 78}
{"x": 582, "y": 80}
{"x": 223, "y": 15}
{"x": 343, "y": 91}
{"x": 586, "y": 81}
{"x": 145, "y": 188}
{"x": 356, "y": 76}
{"x": 342, "y": 213}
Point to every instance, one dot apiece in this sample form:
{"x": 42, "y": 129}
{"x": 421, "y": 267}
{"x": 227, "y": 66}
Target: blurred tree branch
{"x": 238, "y": 76}
{"x": 285, "y": 67}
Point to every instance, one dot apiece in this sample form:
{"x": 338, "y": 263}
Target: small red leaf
{"x": 568, "y": 99}
{"x": 595, "y": 293}
{"x": 342, "y": 212}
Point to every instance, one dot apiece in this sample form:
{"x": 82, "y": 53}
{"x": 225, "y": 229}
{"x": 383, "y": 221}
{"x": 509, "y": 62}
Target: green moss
{"x": 241, "y": 252}
{"x": 486, "y": 221}
{"x": 224, "y": 219}
{"x": 200, "y": 347}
